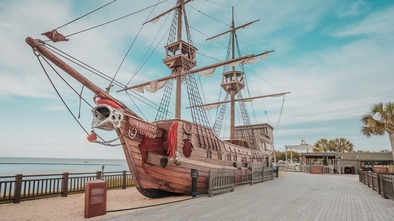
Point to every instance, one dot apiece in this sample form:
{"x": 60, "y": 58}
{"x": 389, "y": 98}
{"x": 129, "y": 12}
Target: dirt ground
{"x": 72, "y": 206}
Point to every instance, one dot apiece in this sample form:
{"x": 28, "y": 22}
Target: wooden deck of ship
{"x": 297, "y": 196}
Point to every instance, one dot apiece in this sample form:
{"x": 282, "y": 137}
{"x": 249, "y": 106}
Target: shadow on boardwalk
{"x": 297, "y": 196}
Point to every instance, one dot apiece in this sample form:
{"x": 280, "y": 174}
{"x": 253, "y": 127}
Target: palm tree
{"x": 321, "y": 146}
{"x": 341, "y": 145}
{"x": 379, "y": 121}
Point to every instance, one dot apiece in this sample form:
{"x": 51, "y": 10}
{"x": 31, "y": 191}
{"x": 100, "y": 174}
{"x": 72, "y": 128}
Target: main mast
{"x": 180, "y": 56}
{"x": 232, "y": 81}
{"x": 179, "y": 78}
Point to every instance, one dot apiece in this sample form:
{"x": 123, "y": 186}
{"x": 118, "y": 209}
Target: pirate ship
{"x": 162, "y": 153}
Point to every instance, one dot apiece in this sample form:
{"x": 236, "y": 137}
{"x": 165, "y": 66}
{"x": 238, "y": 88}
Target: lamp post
{"x": 194, "y": 175}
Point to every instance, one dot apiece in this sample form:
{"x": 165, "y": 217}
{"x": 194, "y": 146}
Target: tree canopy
{"x": 379, "y": 121}
{"x": 337, "y": 145}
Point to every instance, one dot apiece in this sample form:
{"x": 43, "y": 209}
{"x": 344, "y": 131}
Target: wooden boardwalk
{"x": 297, "y": 196}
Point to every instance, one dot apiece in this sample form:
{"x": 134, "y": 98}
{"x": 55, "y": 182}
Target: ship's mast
{"x": 179, "y": 78}
{"x": 232, "y": 81}
{"x": 180, "y": 57}
{"x": 232, "y": 93}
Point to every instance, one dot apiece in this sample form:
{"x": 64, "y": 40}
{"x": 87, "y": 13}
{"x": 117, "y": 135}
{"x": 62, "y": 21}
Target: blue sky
{"x": 335, "y": 57}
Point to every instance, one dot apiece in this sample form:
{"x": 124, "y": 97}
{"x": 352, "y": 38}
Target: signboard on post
{"x": 95, "y": 198}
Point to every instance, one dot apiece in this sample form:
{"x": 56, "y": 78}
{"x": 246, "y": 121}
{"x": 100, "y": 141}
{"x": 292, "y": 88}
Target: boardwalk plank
{"x": 297, "y": 196}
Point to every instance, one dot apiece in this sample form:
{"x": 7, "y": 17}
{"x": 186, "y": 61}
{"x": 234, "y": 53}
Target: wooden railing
{"x": 328, "y": 169}
{"x": 387, "y": 185}
{"x": 383, "y": 183}
{"x": 19, "y": 187}
{"x": 257, "y": 175}
{"x": 369, "y": 179}
{"x": 323, "y": 169}
{"x": 243, "y": 177}
{"x": 375, "y": 183}
{"x": 221, "y": 181}
{"x": 361, "y": 176}
{"x": 268, "y": 174}
{"x": 306, "y": 169}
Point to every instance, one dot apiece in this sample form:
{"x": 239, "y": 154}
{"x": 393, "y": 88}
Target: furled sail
{"x": 207, "y": 73}
{"x": 152, "y": 87}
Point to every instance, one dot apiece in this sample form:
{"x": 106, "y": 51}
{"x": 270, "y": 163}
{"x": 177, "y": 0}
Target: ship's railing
{"x": 382, "y": 183}
{"x": 20, "y": 187}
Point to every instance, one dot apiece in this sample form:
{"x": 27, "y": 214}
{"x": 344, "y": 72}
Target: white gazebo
{"x": 302, "y": 146}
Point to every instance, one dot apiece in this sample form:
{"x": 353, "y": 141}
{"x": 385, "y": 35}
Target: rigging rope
{"x": 80, "y": 101}
{"x": 132, "y": 44}
{"x": 207, "y": 15}
{"x": 142, "y": 113}
{"x": 99, "y": 74}
{"x": 81, "y": 64}
{"x": 65, "y": 104}
{"x": 143, "y": 60}
{"x": 280, "y": 115}
{"x": 117, "y": 19}
{"x": 86, "y": 14}
{"x": 227, "y": 6}
{"x": 57, "y": 92}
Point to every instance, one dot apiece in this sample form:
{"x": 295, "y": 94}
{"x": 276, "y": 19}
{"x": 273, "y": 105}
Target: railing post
{"x": 210, "y": 183}
{"x": 98, "y": 175}
{"x": 194, "y": 175}
{"x": 251, "y": 180}
{"x": 379, "y": 184}
{"x": 124, "y": 179}
{"x": 18, "y": 188}
{"x": 65, "y": 184}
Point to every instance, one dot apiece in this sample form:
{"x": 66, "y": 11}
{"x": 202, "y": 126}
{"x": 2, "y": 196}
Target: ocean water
{"x": 9, "y": 166}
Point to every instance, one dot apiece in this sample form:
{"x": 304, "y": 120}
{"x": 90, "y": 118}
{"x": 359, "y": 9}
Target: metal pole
{"x": 286, "y": 154}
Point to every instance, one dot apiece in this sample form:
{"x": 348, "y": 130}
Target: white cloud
{"x": 377, "y": 25}
{"x": 351, "y": 9}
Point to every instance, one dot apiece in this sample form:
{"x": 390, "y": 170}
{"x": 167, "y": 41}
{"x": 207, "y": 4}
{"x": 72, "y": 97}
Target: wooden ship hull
{"x": 155, "y": 174}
